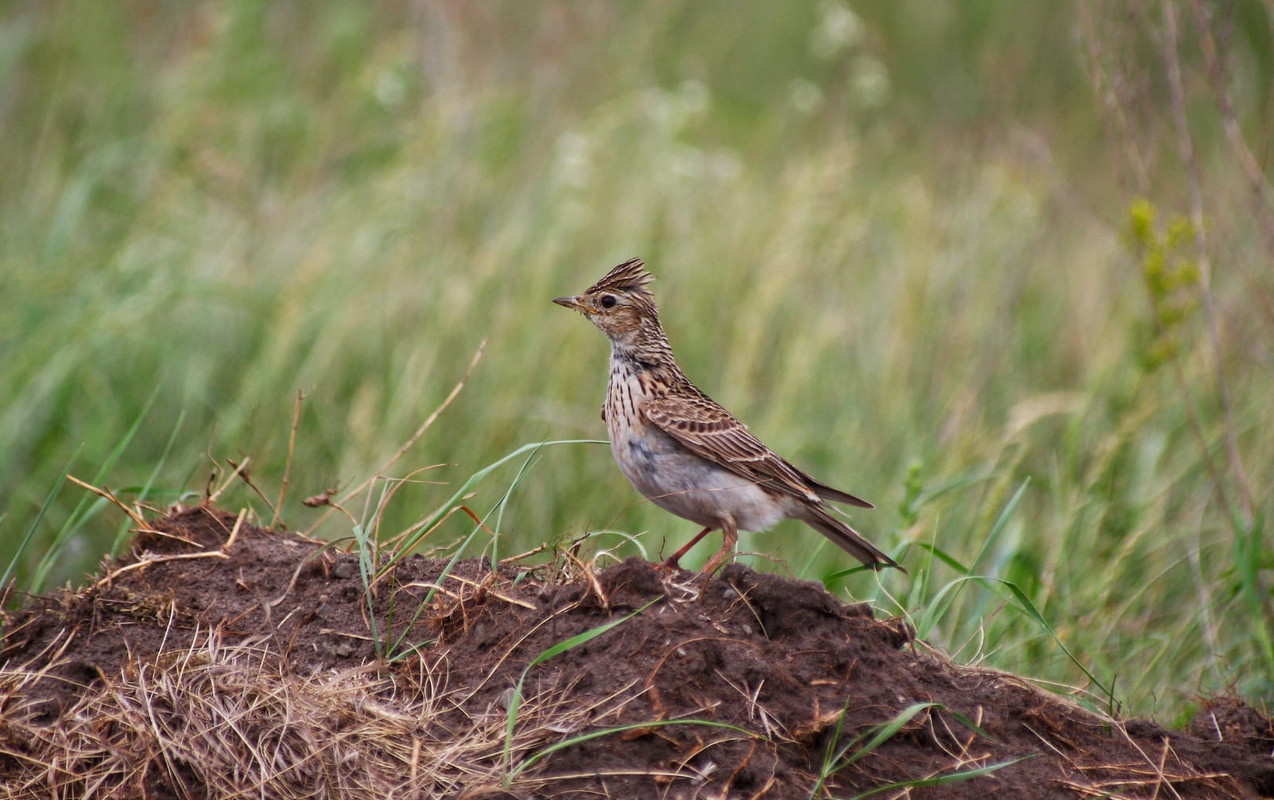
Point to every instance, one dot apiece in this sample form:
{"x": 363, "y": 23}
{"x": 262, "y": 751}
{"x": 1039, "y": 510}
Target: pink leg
{"x": 730, "y": 537}
{"x": 675, "y": 557}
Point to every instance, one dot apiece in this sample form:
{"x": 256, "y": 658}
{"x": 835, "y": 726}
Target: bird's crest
{"x": 629, "y": 275}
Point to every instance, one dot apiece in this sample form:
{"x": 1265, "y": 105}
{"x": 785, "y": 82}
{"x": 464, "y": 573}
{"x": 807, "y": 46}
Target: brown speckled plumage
{"x": 684, "y": 451}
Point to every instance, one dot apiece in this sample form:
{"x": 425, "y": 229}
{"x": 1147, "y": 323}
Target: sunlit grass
{"x": 215, "y": 208}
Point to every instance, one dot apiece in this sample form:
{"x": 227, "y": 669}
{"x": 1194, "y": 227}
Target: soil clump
{"x": 220, "y": 658}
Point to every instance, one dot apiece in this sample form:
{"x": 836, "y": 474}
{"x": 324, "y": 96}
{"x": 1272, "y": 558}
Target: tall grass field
{"x": 1003, "y": 269}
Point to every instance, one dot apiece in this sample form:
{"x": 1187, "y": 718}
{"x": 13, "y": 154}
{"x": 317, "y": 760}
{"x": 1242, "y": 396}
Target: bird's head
{"x": 619, "y": 303}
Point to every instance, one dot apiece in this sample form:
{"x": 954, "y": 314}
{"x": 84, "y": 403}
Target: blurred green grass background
{"x": 891, "y": 237}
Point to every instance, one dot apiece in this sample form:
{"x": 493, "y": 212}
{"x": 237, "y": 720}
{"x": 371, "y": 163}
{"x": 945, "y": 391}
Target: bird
{"x": 684, "y": 451}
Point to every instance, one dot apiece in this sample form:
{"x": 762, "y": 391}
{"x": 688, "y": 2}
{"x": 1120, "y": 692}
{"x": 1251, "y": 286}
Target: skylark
{"x": 685, "y": 452}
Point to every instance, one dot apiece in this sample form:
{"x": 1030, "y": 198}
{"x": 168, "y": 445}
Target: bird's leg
{"x": 729, "y": 538}
{"x": 675, "y": 557}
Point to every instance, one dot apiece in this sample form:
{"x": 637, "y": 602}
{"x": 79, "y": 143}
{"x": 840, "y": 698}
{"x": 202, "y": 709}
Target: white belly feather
{"x": 674, "y": 478}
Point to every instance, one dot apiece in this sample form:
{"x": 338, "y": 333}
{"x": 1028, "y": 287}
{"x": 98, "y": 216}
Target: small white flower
{"x": 870, "y": 81}
{"x": 574, "y": 159}
{"x": 390, "y": 88}
{"x": 695, "y": 98}
{"x": 724, "y": 165}
{"x": 804, "y": 96}
{"x": 839, "y": 28}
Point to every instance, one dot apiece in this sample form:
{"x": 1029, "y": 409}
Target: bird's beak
{"x": 574, "y": 302}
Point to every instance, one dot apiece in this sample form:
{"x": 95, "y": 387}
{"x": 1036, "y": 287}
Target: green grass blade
{"x": 879, "y": 734}
{"x": 502, "y": 502}
{"x": 938, "y": 607}
{"x": 35, "y": 523}
{"x": 1001, "y": 523}
{"x": 883, "y": 733}
{"x": 946, "y": 558}
{"x": 1249, "y": 561}
{"x": 88, "y": 506}
{"x": 474, "y": 479}
{"x": 144, "y": 492}
{"x": 578, "y": 639}
{"x": 1025, "y": 604}
{"x": 942, "y": 780}
{"x": 584, "y": 737}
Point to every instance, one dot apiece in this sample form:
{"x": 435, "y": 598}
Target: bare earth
{"x": 194, "y": 669}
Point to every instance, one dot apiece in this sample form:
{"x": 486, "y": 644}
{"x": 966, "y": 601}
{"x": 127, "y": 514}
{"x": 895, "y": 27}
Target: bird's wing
{"x": 706, "y": 429}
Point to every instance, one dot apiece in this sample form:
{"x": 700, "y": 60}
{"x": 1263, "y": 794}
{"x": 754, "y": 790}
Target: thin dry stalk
{"x": 107, "y": 494}
{"x": 246, "y": 477}
{"x": 415, "y": 437}
{"x": 1102, "y": 86}
{"x": 215, "y": 495}
{"x": 147, "y": 560}
{"x": 1214, "y": 62}
{"x": 1157, "y": 765}
{"x": 590, "y": 576}
{"x": 500, "y": 662}
{"x": 424, "y": 426}
{"x": 485, "y": 588}
{"x": 287, "y": 465}
{"x": 234, "y": 532}
{"x": 1185, "y": 143}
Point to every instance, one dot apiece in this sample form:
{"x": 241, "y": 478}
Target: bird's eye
{"x": 608, "y": 301}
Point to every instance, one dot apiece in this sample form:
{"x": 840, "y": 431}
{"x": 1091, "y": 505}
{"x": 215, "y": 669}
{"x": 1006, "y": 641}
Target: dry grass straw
{"x": 229, "y": 721}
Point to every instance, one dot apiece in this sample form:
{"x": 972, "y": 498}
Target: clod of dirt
{"x": 221, "y": 659}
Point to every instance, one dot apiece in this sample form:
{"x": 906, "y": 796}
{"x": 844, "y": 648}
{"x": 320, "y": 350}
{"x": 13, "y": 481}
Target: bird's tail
{"x": 847, "y": 538}
{"x": 836, "y": 495}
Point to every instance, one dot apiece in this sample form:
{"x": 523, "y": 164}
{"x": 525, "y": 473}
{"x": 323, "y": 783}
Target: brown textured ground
{"x": 193, "y": 669}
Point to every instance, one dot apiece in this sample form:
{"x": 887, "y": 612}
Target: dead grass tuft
{"x": 229, "y": 721}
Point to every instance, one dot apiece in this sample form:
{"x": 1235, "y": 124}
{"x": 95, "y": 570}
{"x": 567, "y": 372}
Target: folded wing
{"x": 706, "y": 429}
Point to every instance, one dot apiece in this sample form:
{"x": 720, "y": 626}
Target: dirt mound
{"x": 221, "y": 659}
